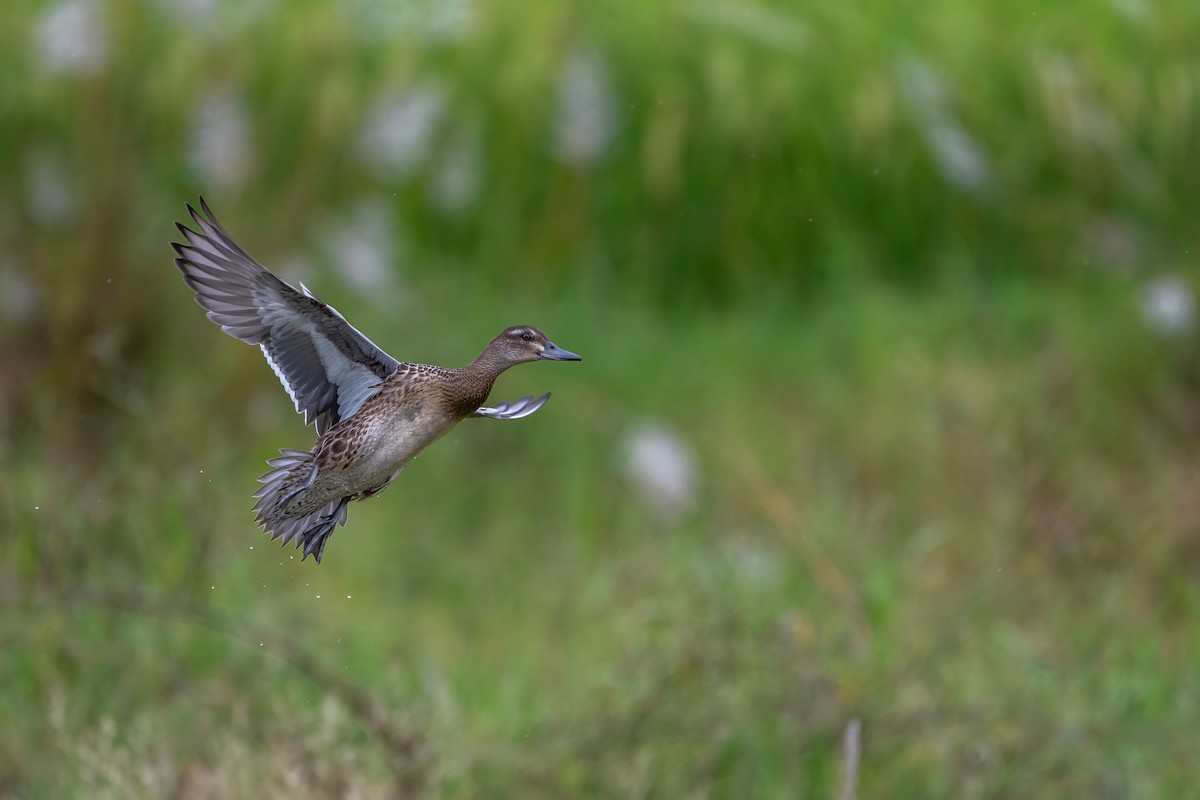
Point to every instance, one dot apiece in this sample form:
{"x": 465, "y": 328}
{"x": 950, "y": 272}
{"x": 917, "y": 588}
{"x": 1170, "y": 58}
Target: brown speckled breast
{"x": 417, "y": 405}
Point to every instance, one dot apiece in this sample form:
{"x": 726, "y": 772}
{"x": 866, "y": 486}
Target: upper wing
{"x": 328, "y": 368}
{"x": 514, "y": 410}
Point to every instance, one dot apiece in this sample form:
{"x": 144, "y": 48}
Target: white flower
{"x": 72, "y": 37}
{"x": 759, "y": 23}
{"x": 755, "y": 562}
{"x": 585, "y": 117}
{"x": 220, "y": 148}
{"x": 1168, "y": 306}
{"x": 425, "y": 20}
{"x": 957, "y": 155}
{"x": 18, "y": 295}
{"x": 49, "y": 188}
{"x": 400, "y": 129}
{"x": 955, "y": 152}
{"x": 662, "y": 467}
{"x": 363, "y": 247}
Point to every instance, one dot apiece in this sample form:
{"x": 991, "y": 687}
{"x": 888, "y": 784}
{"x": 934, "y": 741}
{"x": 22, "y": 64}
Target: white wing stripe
{"x": 287, "y": 387}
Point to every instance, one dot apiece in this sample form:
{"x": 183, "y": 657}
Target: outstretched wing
{"x": 328, "y": 368}
{"x": 514, "y": 410}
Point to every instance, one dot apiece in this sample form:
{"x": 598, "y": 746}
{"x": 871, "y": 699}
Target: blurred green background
{"x": 879, "y": 474}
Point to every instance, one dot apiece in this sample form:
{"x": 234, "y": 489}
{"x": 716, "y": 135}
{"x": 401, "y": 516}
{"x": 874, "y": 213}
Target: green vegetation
{"x": 881, "y": 268}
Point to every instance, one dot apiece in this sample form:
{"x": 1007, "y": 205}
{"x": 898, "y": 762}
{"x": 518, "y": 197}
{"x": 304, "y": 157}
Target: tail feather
{"x": 312, "y": 530}
{"x": 294, "y": 472}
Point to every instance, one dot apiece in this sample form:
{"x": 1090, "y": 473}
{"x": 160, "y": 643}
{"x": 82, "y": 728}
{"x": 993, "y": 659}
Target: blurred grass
{"x": 947, "y": 472}
{"x": 963, "y": 534}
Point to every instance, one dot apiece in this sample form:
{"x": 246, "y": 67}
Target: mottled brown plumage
{"x": 373, "y": 414}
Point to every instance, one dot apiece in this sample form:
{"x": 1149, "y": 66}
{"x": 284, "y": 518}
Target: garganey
{"x": 373, "y": 414}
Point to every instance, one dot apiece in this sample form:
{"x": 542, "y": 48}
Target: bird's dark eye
{"x": 527, "y": 336}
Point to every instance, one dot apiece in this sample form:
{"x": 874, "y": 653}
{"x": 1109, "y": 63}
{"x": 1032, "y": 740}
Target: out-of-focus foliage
{"x": 888, "y": 410}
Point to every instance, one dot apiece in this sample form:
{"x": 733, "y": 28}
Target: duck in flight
{"x": 372, "y": 413}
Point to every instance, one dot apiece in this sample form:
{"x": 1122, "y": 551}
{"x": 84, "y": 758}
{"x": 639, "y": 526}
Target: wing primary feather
{"x": 327, "y": 366}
